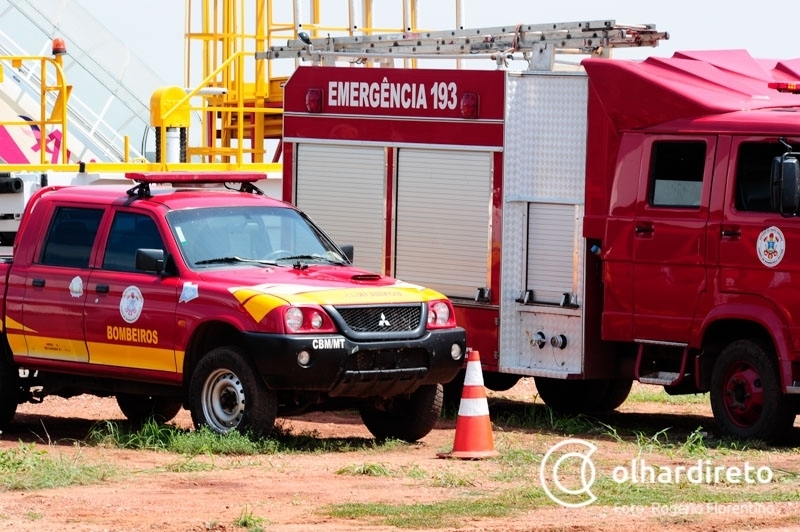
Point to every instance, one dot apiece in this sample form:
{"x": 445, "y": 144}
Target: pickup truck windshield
{"x": 246, "y": 236}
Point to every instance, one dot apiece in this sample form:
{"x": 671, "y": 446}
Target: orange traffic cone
{"x": 473, "y": 428}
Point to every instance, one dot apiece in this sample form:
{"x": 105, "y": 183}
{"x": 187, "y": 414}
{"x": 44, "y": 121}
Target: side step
{"x": 661, "y": 364}
{"x": 665, "y": 378}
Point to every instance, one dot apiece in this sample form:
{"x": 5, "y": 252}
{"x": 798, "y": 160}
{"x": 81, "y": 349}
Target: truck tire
{"x": 226, "y": 393}
{"x": 140, "y": 408}
{"x": 500, "y": 382}
{"x": 9, "y": 392}
{"x": 616, "y": 394}
{"x": 575, "y": 396}
{"x": 405, "y": 418}
{"x": 746, "y": 395}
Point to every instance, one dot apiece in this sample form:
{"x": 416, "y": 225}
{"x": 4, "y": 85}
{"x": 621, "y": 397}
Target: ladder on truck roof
{"x": 538, "y": 44}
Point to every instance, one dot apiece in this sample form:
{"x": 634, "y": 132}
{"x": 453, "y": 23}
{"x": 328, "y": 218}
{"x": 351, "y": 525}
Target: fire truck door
{"x": 130, "y": 314}
{"x": 55, "y": 287}
{"x": 669, "y": 241}
{"x": 757, "y": 245}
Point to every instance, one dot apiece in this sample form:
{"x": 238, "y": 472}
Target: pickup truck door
{"x": 130, "y": 314}
{"x": 51, "y": 318}
{"x": 669, "y": 241}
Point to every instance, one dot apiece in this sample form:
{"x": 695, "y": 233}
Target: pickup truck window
{"x": 129, "y": 232}
{"x": 71, "y": 237}
{"x": 676, "y": 173}
{"x": 225, "y": 235}
{"x": 753, "y": 164}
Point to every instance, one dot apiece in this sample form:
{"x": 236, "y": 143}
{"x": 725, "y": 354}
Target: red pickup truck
{"x": 226, "y": 302}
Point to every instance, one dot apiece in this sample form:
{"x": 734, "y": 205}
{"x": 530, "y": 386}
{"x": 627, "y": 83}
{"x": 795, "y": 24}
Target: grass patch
{"x": 154, "y": 436}
{"x": 249, "y": 521}
{"x": 457, "y": 512}
{"x": 656, "y": 394}
{"x": 368, "y": 470}
{"x": 539, "y": 416}
{"x": 27, "y": 467}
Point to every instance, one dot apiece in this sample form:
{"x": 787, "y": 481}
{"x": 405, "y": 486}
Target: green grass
{"x": 249, "y": 521}
{"x": 656, "y": 394}
{"x": 154, "y": 436}
{"x": 459, "y": 511}
{"x": 26, "y": 467}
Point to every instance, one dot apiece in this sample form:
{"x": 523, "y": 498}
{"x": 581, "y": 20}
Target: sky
{"x": 153, "y": 29}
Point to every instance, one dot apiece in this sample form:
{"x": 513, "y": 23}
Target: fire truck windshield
{"x": 246, "y": 235}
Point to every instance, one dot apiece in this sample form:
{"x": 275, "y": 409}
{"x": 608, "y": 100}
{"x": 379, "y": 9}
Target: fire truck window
{"x": 753, "y": 164}
{"x": 71, "y": 237}
{"x": 129, "y": 232}
{"x": 676, "y": 174}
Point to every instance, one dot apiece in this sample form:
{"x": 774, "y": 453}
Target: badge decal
{"x": 76, "y": 287}
{"x": 189, "y": 292}
{"x": 130, "y": 306}
{"x": 770, "y": 246}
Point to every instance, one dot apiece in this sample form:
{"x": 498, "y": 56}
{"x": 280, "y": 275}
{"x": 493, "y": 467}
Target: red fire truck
{"x": 622, "y": 221}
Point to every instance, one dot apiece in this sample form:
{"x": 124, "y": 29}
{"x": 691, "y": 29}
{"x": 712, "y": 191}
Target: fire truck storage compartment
{"x": 542, "y": 272}
{"x": 352, "y": 179}
{"x": 443, "y": 225}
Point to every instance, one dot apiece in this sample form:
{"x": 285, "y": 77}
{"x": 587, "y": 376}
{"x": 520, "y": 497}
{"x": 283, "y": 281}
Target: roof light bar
{"x": 145, "y": 179}
{"x": 793, "y": 88}
{"x": 195, "y": 177}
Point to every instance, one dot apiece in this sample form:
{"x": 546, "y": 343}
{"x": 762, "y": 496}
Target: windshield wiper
{"x": 315, "y": 257}
{"x": 232, "y": 260}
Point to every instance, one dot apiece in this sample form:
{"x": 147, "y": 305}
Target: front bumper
{"x": 341, "y": 367}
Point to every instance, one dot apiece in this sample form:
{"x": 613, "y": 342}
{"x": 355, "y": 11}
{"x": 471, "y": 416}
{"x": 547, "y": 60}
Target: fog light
{"x": 303, "y": 358}
{"x": 455, "y": 351}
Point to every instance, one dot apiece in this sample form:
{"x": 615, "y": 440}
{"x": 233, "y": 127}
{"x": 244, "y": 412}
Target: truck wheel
{"x": 572, "y": 396}
{"x": 9, "y": 392}
{"x": 405, "y": 418}
{"x": 227, "y": 394}
{"x": 746, "y": 395}
{"x": 500, "y": 382}
{"x": 139, "y": 408}
{"x": 616, "y": 394}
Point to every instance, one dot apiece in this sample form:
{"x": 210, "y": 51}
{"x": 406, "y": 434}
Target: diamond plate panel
{"x": 545, "y": 137}
{"x": 545, "y": 147}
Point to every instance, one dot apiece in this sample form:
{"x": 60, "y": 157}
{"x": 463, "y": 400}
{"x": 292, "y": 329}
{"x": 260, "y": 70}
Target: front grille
{"x": 382, "y": 319}
{"x": 378, "y": 323}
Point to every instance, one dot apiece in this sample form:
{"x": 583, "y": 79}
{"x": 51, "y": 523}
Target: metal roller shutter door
{"x": 442, "y": 223}
{"x": 342, "y": 188}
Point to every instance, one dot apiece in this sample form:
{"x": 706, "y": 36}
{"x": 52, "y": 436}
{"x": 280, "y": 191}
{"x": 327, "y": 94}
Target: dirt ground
{"x": 289, "y": 492}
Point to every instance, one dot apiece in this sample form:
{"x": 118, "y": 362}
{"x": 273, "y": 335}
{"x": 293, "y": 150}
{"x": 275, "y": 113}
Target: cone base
{"x": 469, "y": 455}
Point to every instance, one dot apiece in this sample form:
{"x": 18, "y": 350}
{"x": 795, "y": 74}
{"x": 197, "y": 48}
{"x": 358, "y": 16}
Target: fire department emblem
{"x": 76, "y": 287}
{"x": 770, "y": 246}
{"x": 130, "y": 306}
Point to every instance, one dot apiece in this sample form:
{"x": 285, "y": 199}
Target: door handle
{"x": 645, "y": 229}
{"x": 731, "y": 232}
{"x": 38, "y": 283}
{"x": 101, "y": 289}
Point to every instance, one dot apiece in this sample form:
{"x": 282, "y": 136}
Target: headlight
{"x": 438, "y": 313}
{"x": 316, "y": 320}
{"x": 293, "y": 319}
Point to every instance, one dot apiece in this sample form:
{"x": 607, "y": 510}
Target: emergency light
{"x": 177, "y": 179}
{"x": 793, "y": 88}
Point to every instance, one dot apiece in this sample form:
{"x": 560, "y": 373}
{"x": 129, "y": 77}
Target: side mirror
{"x": 150, "y": 260}
{"x": 348, "y": 251}
{"x": 785, "y": 184}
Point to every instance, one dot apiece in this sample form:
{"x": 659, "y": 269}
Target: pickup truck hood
{"x": 316, "y": 284}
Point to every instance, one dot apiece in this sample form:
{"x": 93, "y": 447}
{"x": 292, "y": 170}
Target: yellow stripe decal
{"x": 14, "y": 324}
{"x": 129, "y": 356}
{"x": 17, "y": 343}
{"x": 57, "y": 348}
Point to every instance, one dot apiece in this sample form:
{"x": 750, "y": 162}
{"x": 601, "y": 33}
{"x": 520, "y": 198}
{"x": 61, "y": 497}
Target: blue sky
{"x": 153, "y": 29}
